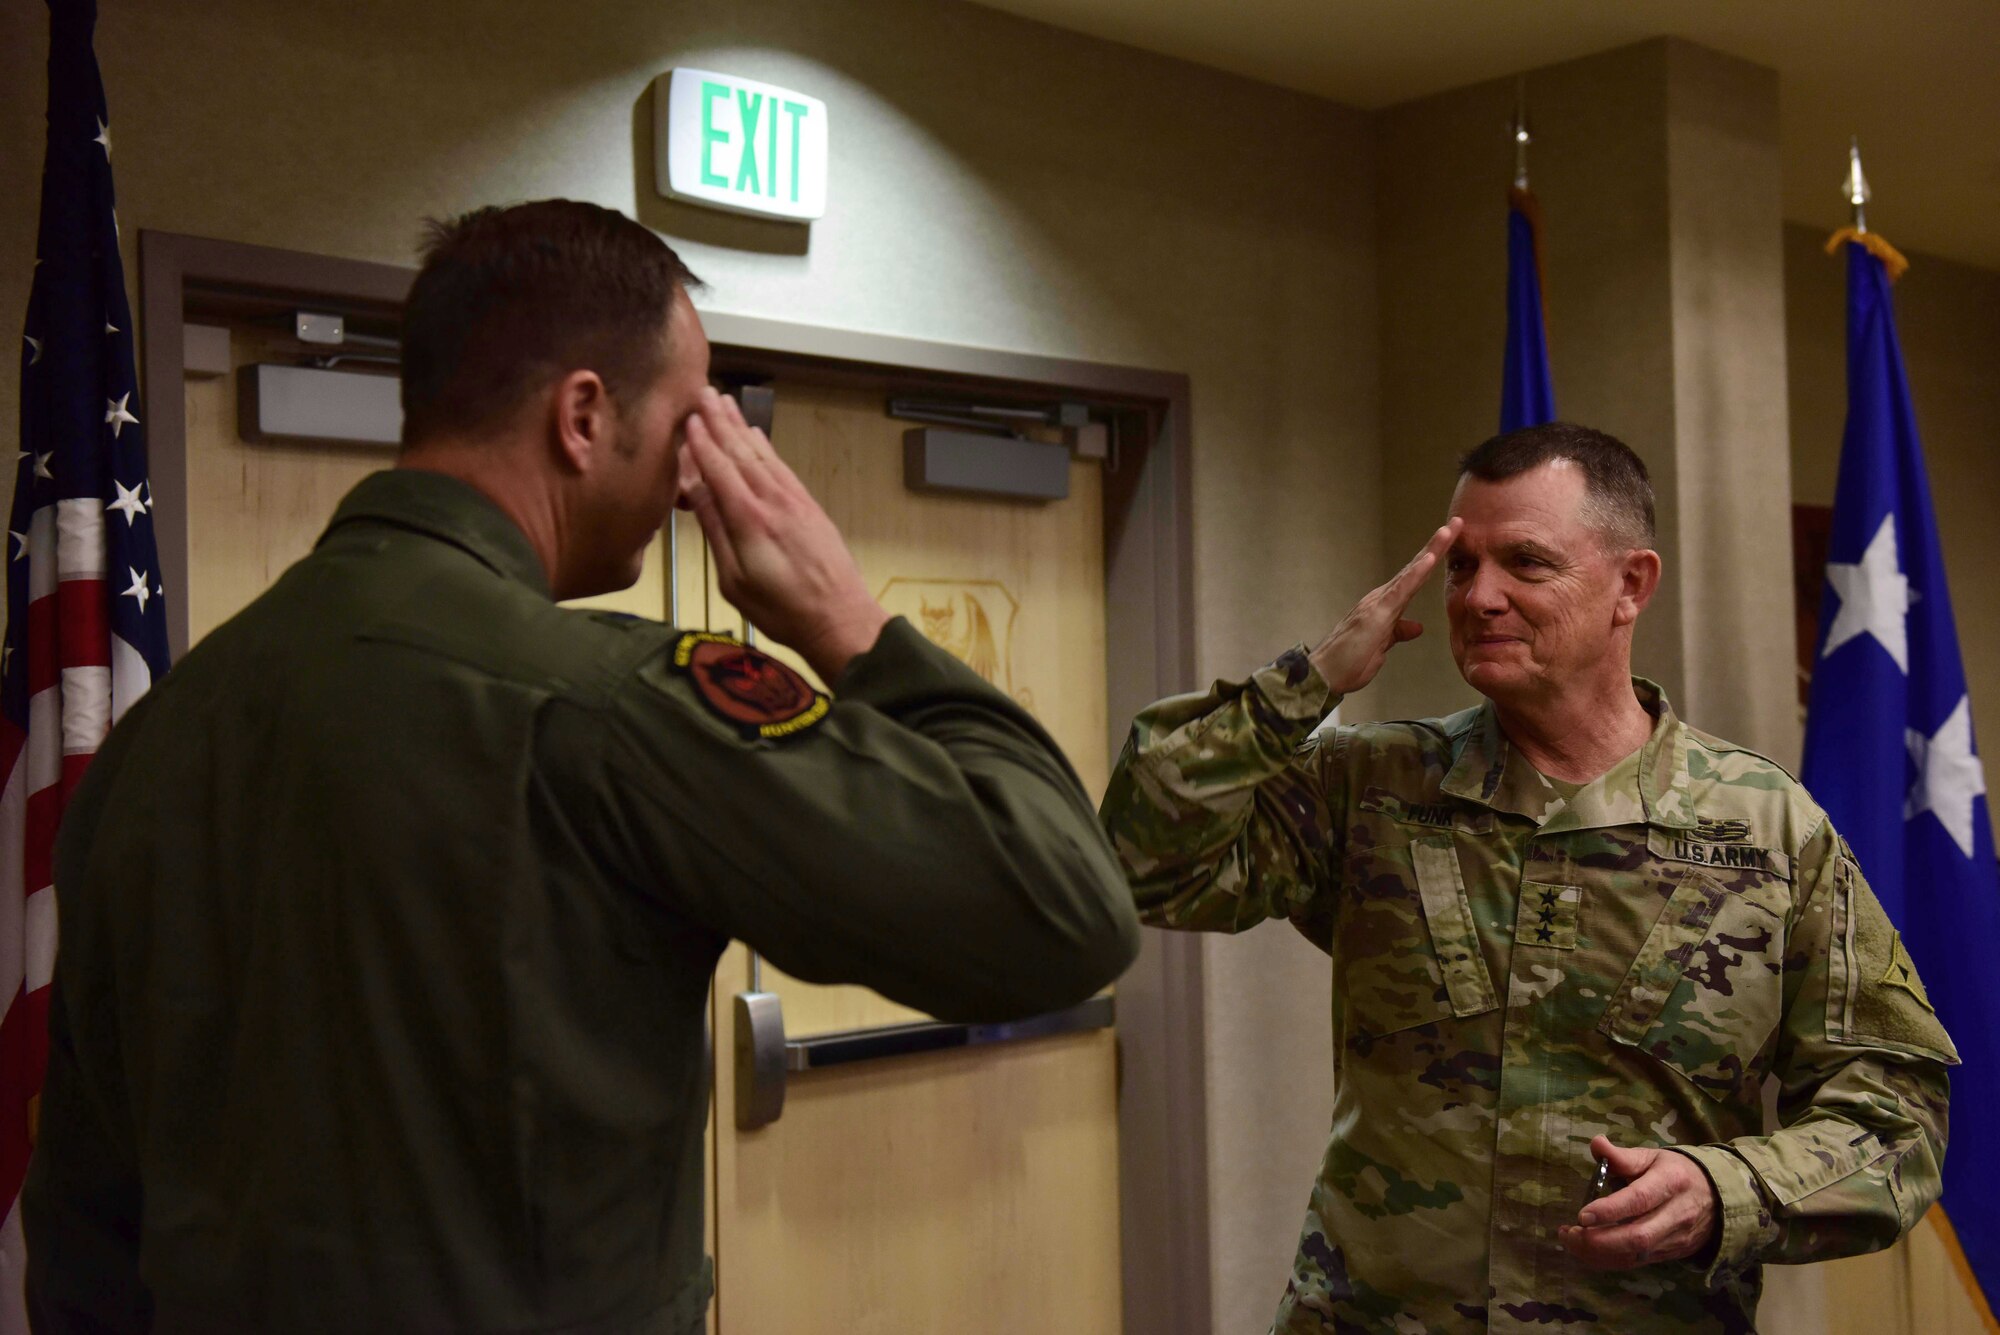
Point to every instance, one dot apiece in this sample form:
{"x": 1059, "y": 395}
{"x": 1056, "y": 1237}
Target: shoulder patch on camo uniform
{"x": 1902, "y": 973}
{"x": 747, "y": 687}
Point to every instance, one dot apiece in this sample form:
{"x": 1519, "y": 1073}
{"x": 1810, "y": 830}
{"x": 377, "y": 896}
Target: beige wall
{"x": 1732, "y": 449}
{"x": 1948, "y": 318}
{"x": 994, "y": 182}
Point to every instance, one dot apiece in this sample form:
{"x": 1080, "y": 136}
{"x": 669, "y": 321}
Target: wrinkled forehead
{"x": 1549, "y": 503}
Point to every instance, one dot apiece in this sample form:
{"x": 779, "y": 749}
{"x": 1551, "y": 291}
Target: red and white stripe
{"x": 80, "y": 679}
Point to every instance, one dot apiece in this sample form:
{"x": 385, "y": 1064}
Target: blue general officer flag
{"x": 1889, "y": 748}
{"x": 1527, "y": 395}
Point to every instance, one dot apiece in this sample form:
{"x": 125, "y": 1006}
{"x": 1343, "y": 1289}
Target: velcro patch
{"x": 1700, "y": 848}
{"x": 1547, "y": 915}
{"x": 1431, "y": 815}
{"x": 1901, "y": 973}
{"x": 761, "y": 696}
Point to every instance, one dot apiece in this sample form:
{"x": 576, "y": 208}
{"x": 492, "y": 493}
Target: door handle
{"x": 760, "y": 1059}
{"x": 764, "y": 1055}
{"x": 904, "y": 1040}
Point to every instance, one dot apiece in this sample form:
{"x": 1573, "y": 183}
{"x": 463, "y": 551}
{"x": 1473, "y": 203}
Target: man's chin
{"x": 1491, "y": 678}
{"x": 597, "y": 583}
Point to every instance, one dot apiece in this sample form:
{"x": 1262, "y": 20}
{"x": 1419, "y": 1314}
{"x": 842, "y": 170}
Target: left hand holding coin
{"x": 1667, "y": 1211}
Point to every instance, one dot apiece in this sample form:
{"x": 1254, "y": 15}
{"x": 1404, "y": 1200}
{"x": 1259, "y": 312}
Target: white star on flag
{"x": 42, "y": 465}
{"x": 104, "y": 138}
{"x": 138, "y": 589}
{"x": 1949, "y": 775}
{"x": 22, "y": 539}
{"x": 110, "y": 328}
{"x": 1875, "y": 598}
{"x": 34, "y": 348}
{"x": 116, "y": 415}
{"x": 128, "y": 503}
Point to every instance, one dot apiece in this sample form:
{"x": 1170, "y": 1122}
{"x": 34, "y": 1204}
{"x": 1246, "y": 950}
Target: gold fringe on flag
{"x": 1892, "y": 259}
{"x": 1942, "y": 1223}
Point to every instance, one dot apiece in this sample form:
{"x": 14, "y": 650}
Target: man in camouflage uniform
{"x": 1565, "y": 926}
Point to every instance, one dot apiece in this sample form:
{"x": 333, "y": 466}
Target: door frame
{"x": 1149, "y": 628}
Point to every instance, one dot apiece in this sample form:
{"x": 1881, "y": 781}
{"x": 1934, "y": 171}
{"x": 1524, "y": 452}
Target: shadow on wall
{"x": 708, "y": 227}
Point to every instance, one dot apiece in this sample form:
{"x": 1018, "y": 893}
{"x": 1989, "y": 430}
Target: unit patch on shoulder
{"x": 1901, "y": 973}
{"x": 747, "y": 687}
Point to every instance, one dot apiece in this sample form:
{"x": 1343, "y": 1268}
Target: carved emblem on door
{"x": 972, "y": 619}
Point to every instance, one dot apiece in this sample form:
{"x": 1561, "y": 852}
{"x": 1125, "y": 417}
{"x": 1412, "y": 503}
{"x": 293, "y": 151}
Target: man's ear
{"x": 582, "y": 424}
{"x": 1638, "y": 580}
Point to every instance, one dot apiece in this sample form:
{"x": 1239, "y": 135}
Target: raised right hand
{"x": 1350, "y": 657}
{"x": 778, "y": 556}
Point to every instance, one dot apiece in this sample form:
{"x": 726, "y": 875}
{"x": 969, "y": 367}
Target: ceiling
{"x": 1918, "y": 81}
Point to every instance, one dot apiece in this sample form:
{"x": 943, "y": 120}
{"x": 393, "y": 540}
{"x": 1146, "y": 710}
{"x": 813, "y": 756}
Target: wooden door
{"x": 255, "y": 508}
{"x": 972, "y": 1190}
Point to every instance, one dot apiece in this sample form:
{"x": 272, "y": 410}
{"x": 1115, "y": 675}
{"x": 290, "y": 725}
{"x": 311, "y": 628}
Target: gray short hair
{"x": 1618, "y": 496}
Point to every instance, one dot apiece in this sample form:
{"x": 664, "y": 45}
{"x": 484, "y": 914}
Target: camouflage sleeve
{"x": 1220, "y": 806}
{"x": 1861, "y": 1060}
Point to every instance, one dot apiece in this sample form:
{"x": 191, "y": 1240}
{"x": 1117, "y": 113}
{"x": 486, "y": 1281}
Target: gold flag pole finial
{"x": 1855, "y": 188}
{"x": 1522, "y": 137}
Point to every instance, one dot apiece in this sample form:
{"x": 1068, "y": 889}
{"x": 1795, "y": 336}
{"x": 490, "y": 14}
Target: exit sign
{"x": 740, "y": 145}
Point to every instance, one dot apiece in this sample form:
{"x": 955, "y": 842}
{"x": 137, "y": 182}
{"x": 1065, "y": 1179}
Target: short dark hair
{"x": 509, "y": 299}
{"x": 1617, "y": 491}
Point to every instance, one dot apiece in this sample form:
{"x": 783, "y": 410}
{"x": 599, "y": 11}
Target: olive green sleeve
{"x": 1861, "y": 1063}
{"x": 1223, "y": 810}
{"x": 925, "y": 838}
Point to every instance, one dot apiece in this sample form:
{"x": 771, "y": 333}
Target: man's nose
{"x": 1483, "y": 592}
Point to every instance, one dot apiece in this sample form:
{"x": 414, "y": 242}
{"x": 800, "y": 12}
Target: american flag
{"x": 86, "y": 621}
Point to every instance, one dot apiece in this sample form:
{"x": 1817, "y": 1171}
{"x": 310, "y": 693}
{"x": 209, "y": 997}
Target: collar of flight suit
{"x": 449, "y": 510}
{"x": 1650, "y": 787}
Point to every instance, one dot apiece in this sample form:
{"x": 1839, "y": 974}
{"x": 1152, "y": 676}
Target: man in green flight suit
{"x": 1565, "y": 927}
{"x": 388, "y": 916}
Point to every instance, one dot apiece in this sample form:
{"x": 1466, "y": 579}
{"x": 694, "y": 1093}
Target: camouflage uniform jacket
{"x": 1514, "y": 974}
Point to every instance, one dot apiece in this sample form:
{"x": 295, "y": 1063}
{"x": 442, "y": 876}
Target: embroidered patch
{"x": 1547, "y": 915}
{"x": 1703, "y": 849}
{"x": 747, "y": 687}
{"x": 1433, "y": 815}
{"x": 1902, "y": 973}
{"x": 1723, "y": 831}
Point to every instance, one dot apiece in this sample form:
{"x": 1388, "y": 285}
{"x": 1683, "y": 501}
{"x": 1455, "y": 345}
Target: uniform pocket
{"x": 1408, "y": 952}
{"x": 1705, "y": 991}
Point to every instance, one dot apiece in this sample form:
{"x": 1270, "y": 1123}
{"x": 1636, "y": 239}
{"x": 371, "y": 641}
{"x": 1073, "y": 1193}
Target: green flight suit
{"x": 1515, "y": 972}
{"x": 388, "y": 919}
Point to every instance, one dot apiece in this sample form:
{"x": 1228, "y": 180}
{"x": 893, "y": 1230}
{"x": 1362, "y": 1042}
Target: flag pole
{"x": 1521, "y": 134}
{"x": 1854, "y": 189}
{"x": 1856, "y": 186}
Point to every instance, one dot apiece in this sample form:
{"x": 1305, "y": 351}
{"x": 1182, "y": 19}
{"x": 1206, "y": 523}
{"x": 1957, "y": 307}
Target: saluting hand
{"x": 1666, "y": 1211}
{"x": 1350, "y": 657}
{"x": 778, "y": 556}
